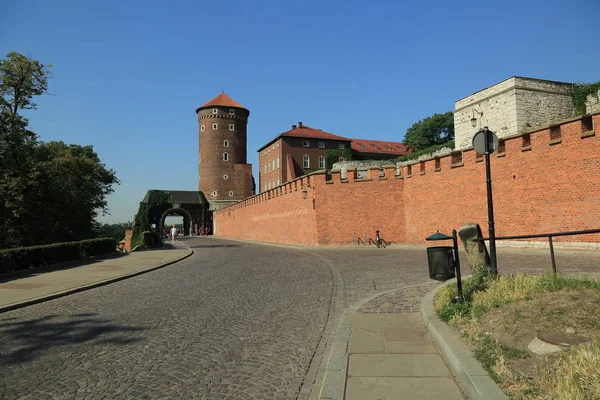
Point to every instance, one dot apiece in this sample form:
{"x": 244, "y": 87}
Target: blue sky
{"x": 128, "y": 75}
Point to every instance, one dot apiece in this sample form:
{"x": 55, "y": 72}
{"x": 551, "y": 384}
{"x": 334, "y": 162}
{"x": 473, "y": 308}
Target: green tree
{"x": 49, "y": 192}
{"x": 72, "y": 188}
{"x": 21, "y": 78}
{"x": 434, "y": 130}
{"x": 116, "y": 231}
{"x": 18, "y": 172}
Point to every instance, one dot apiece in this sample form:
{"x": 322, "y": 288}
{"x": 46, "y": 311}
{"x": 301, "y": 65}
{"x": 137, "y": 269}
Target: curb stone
{"x": 473, "y": 379}
{"x": 78, "y": 289}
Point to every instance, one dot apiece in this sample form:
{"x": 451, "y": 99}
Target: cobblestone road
{"x": 234, "y": 321}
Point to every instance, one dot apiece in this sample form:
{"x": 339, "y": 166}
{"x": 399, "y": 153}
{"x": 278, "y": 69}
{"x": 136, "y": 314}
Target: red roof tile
{"x": 377, "y": 146}
{"x": 222, "y": 100}
{"x": 303, "y": 131}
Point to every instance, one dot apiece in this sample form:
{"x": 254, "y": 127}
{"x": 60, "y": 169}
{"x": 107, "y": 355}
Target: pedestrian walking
{"x": 173, "y": 234}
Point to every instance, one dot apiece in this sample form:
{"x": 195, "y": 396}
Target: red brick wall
{"x": 548, "y": 188}
{"x": 349, "y": 209}
{"x": 279, "y": 215}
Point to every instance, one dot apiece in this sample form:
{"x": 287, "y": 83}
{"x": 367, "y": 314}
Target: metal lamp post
{"x": 486, "y": 142}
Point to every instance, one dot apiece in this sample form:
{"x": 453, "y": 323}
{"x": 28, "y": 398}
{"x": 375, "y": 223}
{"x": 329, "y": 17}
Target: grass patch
{"x": 501, "y": 316}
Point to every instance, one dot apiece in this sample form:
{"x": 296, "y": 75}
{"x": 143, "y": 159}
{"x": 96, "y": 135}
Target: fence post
{"x": 552, "y": 254}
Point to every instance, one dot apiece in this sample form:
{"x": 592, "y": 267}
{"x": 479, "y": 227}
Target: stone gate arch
{"x": 187, "y": 219}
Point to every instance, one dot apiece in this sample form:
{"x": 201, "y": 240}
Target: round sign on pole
{"x": 479, "y": 141}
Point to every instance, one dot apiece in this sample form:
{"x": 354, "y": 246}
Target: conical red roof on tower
{"x": 222, "y": 100}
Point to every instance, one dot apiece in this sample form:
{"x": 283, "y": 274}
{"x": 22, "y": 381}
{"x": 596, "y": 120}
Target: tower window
{"x": 215, "y": 111}
{"x": 231, "y": 111}
{"x": 277, "y": 182}
{"x": 231, "y": 127}
{"x": 306, "y": 143}
{"x": 225, "y": 156}
{"x": 215, "y": 127}
{"x": 269, "y": 166}
{"x": 201, "y": 128}
{"x": 225, "y": 177}
{"x": 273, "y": 165}
{"x": 306, "y": 160}
{"x": 225, "y": 143}
{"x": 321, "y": 145}
{"x": 231, "y": 193}
{"x": 214, "y": 193}
{"x": 321, "y": 162}
{"x": 277, "y": 162}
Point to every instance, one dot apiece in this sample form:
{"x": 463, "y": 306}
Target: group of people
{"x": 174, "y": 232}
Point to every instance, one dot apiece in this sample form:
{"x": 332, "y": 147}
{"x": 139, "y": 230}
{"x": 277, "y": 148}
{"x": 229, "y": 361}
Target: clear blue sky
{"x": 128, "y": 75}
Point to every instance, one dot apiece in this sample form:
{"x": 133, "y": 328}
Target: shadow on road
{"x": 214, "y": 246}
{"x": 27, "y": 339}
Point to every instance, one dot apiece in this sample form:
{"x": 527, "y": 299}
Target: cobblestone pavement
{"x": 234, "y": 321}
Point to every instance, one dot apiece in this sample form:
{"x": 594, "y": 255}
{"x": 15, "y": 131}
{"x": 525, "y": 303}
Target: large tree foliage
{"x": 49, "y": 192}
{"x": 21, "y": 78}
{"x": 116, "y": 231}
{"x": 434, "y": 130}
{"x": 18, "y": 171}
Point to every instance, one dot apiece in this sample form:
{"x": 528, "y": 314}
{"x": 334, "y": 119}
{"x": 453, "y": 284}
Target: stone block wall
{"x": 512, "y": 106}
{"x": 592, "y": 105}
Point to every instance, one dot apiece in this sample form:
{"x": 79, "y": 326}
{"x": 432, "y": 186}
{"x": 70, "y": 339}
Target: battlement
{"x": 544, "y": 180}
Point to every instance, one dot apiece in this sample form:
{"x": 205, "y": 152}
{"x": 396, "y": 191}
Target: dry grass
{"x": 445, "y": 295}
{"x": 502, "y": 319}
{"x": 573, "y": 376}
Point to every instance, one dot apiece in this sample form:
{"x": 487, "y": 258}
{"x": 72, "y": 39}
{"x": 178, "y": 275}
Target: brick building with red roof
{"x": 301, "y": 150}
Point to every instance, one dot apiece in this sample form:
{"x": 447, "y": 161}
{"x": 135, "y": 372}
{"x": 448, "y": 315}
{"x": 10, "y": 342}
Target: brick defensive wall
{"x": 544, "y": 180}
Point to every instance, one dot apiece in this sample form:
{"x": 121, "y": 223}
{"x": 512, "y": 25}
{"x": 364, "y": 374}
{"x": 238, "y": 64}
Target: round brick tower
{"x": 223, "y": 175}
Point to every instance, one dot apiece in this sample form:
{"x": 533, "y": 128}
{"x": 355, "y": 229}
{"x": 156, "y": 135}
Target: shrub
{"x": 22, "y": 258}
{"x": 94, "y": 247}
{"x": 152, "y": 240}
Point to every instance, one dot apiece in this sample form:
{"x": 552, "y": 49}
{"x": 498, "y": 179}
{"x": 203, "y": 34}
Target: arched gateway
{"x": 191, "y": 205}
{"x": 187, "y": 220}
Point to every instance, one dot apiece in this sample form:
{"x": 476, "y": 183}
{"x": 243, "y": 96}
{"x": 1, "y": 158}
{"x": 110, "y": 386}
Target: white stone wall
{"x": 498, "y": 105}
{"x": 593, "y": 103}
{"x": 512, "y": 106}
{"x": 541, "y": 102}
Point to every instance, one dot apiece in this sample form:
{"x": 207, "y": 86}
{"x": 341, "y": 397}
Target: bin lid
{"x": 438, "y": 236}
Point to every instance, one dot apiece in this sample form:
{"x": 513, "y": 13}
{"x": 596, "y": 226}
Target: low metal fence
{"x": 549, "y": 236}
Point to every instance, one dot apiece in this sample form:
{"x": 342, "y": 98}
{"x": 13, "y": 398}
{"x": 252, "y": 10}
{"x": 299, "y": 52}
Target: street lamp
{"x": 474, "y": 120}
{"x": 486, "y": 142}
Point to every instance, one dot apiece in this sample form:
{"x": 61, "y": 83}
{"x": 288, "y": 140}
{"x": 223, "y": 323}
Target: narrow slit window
{"x": 587, "y": 124}
{"x": 555, "y": 133}
{"x": 457, "y": 158}
{"x": 501, "y": 147}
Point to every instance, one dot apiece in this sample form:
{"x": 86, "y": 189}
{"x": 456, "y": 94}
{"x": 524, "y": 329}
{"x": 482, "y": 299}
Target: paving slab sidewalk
{"x": 43, "y": 286}
{"x": 391, "y": 356}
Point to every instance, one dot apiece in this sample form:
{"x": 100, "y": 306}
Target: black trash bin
{"x": 441, "y": 263}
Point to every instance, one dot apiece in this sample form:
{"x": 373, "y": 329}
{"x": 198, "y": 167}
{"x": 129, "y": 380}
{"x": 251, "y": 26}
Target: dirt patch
{"x": 512, "y": 326}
